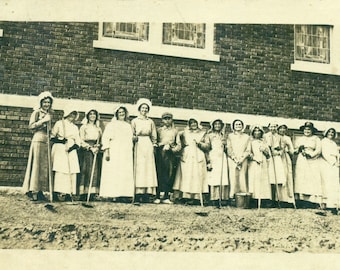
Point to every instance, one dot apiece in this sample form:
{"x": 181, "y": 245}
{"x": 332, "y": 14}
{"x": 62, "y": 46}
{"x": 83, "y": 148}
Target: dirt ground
{"x": 148, "y": 227}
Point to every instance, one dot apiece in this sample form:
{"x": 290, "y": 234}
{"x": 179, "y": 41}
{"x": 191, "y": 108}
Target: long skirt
{"x": 238, "y": 178}
{"x": 218, "y": 176}
{"x": 36, "y": 176}
{"x": 65, "y": 183}
{"x": 117, "y": 173}
{"x": 286, "y": 190}
{"x": 259, "y": 184}
{"x": 144, "y": 166}
{"x": 215, "y": 193}
{"x": 191, "y": 177}
{"x": 86, "y": 167}
{"x": 66, "y": 167}
{"x": 308, "y": 183}
{"x": 330, "y": 180}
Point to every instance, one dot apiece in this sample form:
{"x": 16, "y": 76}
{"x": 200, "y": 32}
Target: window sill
{"x": 315, "y": 67}
{"x": 145, "y": 47}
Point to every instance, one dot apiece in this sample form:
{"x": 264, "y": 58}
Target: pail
{"x": 242, "y": 200}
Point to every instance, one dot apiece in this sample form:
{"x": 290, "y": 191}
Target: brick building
{"x": 256, "y": 72}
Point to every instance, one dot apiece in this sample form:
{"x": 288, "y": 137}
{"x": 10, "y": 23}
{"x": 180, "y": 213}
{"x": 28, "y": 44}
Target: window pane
{"x": 312, "y": 43}
{"x": 184, "y": 34}
{"x": 133, "y": 31}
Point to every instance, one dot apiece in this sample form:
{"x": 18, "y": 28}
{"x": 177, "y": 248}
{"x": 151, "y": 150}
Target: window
{"x": 184, "y": 34}
{"x": 312, "y": 43}
{"x": 317, "y": 49}
{"x": 133, "y": 31}
{"x": 187, "y": 40}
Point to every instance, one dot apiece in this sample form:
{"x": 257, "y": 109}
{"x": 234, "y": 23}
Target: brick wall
{"x": 253, "y": 77}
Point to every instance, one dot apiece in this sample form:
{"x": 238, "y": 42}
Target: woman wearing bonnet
{"x": 191, "y": 179}
{"x": 90, "y": 139}
{"x": 218, "y": 179}
{"x": 117, "y": 168}
{"x": 238, "y": 150}
{"x": 37, "y": 171}
{"x": 65, "y": 135}
{"x": 145, "y": 138}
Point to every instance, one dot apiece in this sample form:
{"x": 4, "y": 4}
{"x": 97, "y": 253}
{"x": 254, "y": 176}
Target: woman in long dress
{"x": 191, "y": 177}
{"x": 308, "y": 184}
{"x": 65, "y": 135}
{"x": 37, "y": 172}
{"x": 330, "y": 169}
{"x": 238, "y": 150}
{"x": 145, "y": 137}
{"x": 277, "y": 175}
{"x": 90, "y": 139}
{"x": 258, "y": 171}
{"x": 218, "y": 179}
{"x": 287, "y": 189}
{"x": 117, "y": 168}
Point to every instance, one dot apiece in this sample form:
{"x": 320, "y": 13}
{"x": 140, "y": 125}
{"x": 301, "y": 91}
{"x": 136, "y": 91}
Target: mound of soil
{"x": 149, "y": 227}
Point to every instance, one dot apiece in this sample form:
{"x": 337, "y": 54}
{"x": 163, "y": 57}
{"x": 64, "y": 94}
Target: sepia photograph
{"x": 169, "y": 134}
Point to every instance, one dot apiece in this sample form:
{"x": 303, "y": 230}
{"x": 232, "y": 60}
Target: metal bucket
{"x": 243, "y": 200}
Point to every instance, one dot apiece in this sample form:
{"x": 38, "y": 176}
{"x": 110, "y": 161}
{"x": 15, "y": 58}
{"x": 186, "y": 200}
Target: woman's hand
{"x": 46, "y": 118}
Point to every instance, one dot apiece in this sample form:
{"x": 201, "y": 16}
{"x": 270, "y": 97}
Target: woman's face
{"x": 217, "y": 126}
{"x": 144, "y": 109}
{"x": 257, "y": 133}
{"x": 167, "y": 121}
{"x": 92, "y": 116}
{"x": 121, "y": 114}
{"x": 282, "y": 130}
{"x": 331, "y": 134}
{"x": 238, "y": 126}
{"x": 72, "y": 116}
{"x": 307, "y": 131}
{"x": 193, "y": 124}
{"x": 272, "y": 128}
{"x": 46, "y": 104}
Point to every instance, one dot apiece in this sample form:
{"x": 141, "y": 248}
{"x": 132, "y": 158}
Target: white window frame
{"x": 127, "y": 35}
{"x": 154, "y": 44}
{"x": 333, "y": 67}
{"x": 176, "y": 41}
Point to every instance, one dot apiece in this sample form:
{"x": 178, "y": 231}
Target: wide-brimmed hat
{"x": 68, "y": 110}
{"x": 309, "y": 125}
{"x": 282, "y": 125}
{"x": 328, "y": 129}
{"x": 143, "y": 101}
{"x": 256, "y": 126}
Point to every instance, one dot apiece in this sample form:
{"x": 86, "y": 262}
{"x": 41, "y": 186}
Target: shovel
{"x": 87, "y": 205}
{"x": 49, "y": 207}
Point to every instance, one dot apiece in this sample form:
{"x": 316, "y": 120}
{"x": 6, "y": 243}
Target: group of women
{"x": 141, "y": 163}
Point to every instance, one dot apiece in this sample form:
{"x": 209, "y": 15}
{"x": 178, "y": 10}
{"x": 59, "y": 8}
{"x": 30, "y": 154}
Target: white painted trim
{"x": 154, "y": 44}
{"x": 105, "y": 107}
{"x": 1, "y": 32}
{"x": 333, "y": 67}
